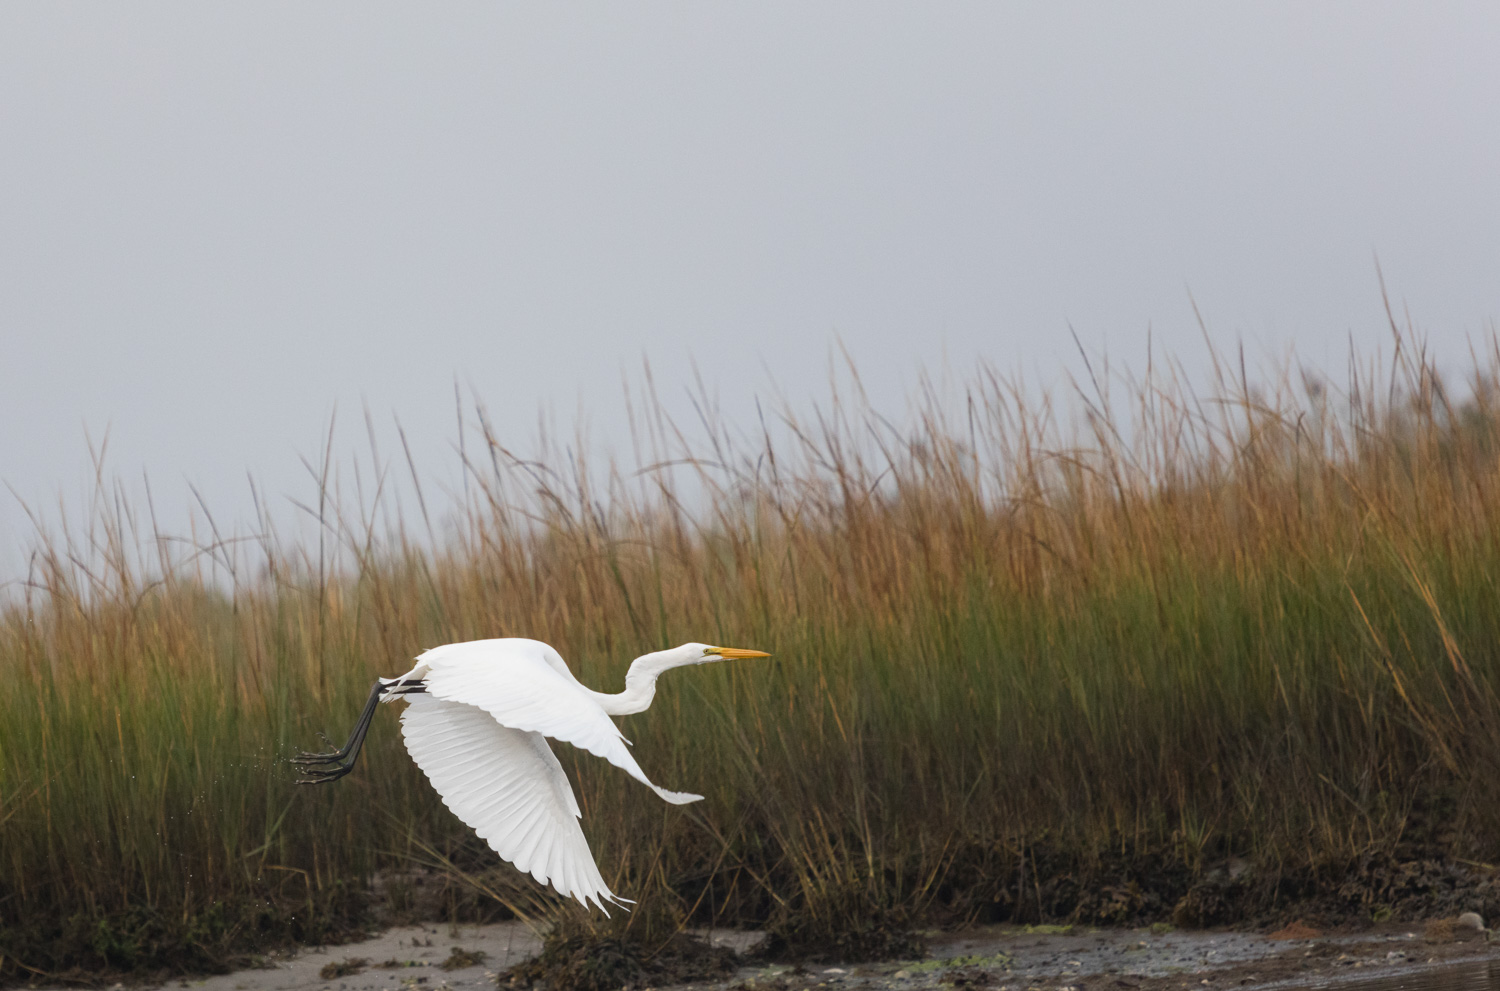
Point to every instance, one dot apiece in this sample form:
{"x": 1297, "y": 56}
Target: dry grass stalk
{"x": 1260, "y": 624}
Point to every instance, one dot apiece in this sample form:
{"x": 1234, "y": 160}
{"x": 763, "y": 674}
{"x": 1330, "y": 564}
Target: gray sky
{"x": 218, "y": 221}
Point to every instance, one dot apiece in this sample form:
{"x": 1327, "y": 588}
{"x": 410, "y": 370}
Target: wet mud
{"x": 986, "y": 958}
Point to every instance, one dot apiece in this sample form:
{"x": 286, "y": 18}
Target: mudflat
{"x": 1003, "y": 958}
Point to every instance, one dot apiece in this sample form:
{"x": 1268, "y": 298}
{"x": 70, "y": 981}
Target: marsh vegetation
{"x": 1133, "y": 652}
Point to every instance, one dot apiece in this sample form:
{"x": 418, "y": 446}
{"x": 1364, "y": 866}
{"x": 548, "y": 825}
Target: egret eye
{"x": 707, "y": 651}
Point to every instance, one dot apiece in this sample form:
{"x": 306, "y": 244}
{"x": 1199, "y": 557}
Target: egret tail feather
{"x": 677, "y": 797}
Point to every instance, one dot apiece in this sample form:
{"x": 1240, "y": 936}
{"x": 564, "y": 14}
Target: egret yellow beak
{"x": 735, "y": 653}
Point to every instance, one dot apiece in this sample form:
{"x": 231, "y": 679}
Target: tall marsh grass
{"x": 1034, "y": 658}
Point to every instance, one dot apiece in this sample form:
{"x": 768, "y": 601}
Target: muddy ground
{"x": 996, "y": 958}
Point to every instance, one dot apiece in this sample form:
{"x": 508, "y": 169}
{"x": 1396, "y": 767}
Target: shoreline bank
{"x": 439, "y": 957}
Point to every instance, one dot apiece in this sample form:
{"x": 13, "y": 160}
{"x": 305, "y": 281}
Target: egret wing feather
{"x": 507, "y": 785}
{"x": 515, "y": 683}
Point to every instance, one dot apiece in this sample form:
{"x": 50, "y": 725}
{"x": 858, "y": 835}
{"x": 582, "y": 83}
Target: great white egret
{"x": 476, "y": 722}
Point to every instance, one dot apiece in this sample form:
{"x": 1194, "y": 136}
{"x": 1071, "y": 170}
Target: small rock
{"x": 1467, "y": 926}
{"x": 901, "y": 974}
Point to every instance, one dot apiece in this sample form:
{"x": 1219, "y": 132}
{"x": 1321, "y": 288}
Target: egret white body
{"x": 477, "y": 720}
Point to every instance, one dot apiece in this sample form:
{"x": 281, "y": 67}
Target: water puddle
{"x": 1478, "y": 975}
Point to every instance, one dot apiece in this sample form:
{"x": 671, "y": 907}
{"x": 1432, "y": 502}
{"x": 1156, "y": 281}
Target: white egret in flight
{"x": 477, "y": 719}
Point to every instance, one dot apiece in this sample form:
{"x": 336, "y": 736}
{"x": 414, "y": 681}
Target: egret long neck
{"x": 640, "y": 682}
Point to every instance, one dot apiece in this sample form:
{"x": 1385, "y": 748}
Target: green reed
{"x": 1015, "y": 662}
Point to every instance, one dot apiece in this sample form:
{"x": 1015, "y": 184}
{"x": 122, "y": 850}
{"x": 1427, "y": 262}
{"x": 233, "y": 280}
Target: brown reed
{"x": 1034, "y": 658}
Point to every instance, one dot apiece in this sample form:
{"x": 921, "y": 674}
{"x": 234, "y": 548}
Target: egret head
{"x": 640, "y": 680}
{"x": 702, "y": 653}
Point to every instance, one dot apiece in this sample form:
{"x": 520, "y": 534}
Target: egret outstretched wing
{"x": 477, "y": 720}
{"x": 519, "y": 689}
{"x": 507, "y": 785}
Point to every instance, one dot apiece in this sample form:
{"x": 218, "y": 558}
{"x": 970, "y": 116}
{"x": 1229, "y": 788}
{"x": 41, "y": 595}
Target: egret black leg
{"x": 325, "y": 767}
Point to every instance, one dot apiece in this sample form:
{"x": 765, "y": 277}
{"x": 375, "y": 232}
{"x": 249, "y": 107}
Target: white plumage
{"x": 526, "y": 685}
{"x": 507, "y": 785}
{"x": 477, "y": 720}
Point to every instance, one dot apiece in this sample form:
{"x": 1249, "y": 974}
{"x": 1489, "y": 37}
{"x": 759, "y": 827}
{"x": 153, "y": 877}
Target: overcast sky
{"x": 220, "y": 221}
